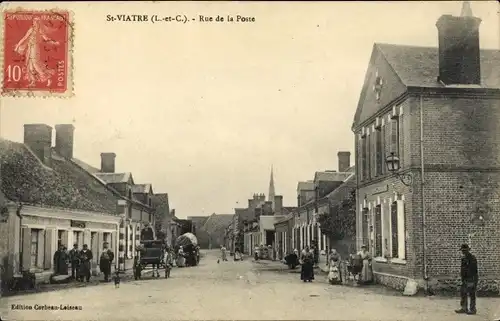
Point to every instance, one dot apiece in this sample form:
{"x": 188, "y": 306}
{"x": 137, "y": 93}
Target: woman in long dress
{"x": 335, "y": 272}
{"x": 366, "y": 272}
{"x": 307, "y": 271}
{"x": 181, "y": 260}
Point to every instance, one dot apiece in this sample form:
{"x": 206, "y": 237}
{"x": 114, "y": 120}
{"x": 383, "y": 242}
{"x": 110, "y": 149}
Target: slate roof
{"x": 64, "y": 185}
{"x": 343, "y": 191}
{"x": 114, "y": 178}
{"x": 331, "y": 176}
{"x": 284, "y": 219}
{"x": 217, "y": 222}
{"x": 305, "y": 186}
{"x": 141, "y": 188}
{"x": 419, "y": 66}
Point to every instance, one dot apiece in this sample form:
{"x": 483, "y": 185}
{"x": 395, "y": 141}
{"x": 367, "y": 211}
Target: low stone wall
{"x": 391, "y": 281}
{"x": 445, "y": 287}
{"x": 486, "y": 287}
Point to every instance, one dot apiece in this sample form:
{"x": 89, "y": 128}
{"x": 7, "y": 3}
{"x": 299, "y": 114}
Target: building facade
{"x": 441, "y": 120}
{"x": 48, "y": 200}
{"x": 138, "y": 203}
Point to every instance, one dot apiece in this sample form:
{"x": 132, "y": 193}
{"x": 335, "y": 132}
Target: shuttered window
{"x": 35, "y": 248}
{"x": 379, "y": 155}
{"x": 366, "y": 226}
{"x": 395, "y": 136}
{"x": 364, "y": 158}
{"x": 394, "y": 229}
{"x": 378, "y": 231}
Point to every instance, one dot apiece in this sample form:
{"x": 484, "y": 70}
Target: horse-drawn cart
{"x": 151, "y": 252}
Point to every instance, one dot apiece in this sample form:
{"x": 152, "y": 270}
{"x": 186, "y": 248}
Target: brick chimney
{"x": 108, "y": 162}
{"x": 459, "y": 56}
{"x": 344, "y": 161}
{"x": 278, "y": 205}
{"x": 38, "y": 137}
{"x": 64, "y": 140}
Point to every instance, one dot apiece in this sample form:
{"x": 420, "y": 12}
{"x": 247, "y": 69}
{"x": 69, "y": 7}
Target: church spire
{"x": 271, "y": 187}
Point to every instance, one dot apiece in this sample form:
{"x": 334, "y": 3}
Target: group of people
{"x": 223, "y": 257}
{"x": 188, "y": 257}
{"x": 81, "y": 262}
{"x": 359, "y": 265}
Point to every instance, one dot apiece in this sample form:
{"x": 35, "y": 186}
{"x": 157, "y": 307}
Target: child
{"x": 117, "y": 279}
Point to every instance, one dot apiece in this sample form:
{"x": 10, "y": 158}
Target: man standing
{"x": 74, "y": 258}
{"x": 105, "y": 261}
{"x": 60, "y": 261}
{"x": 469, "y": 276}
{"x": 85, "y": 266}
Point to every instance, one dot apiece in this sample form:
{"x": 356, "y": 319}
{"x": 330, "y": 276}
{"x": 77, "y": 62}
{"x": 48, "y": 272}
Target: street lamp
{"x": 393, "y": 166}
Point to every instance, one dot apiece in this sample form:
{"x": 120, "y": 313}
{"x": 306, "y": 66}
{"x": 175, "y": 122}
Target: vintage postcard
{"x": 250, "y": 160}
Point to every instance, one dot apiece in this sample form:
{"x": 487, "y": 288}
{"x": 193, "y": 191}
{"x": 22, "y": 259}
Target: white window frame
{"x": 400, "y": 209}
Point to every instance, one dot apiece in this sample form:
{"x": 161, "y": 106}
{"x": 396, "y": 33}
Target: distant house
{"x": 138, "y": 199}
{"x": 215, "y": 226}
{"x": 163, "y": 217}
{"x": 49, "y": 200}
{"x": 312, "y": 200}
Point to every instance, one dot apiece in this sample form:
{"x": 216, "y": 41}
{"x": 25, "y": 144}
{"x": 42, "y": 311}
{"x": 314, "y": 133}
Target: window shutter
{"x": 48, "y": 255}
{"x": 395, "y": 230}
{"x": 64, "y": 240}
{"x": 26, "y": 250}
{"x": 394, "y": 136}
{"x": 401, "y": 229}
{"x": 378, "y": 231}
{"x": 100, "y": 241}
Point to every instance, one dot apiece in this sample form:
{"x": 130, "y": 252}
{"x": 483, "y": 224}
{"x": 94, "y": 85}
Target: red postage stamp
{"x": 37, "y": 53}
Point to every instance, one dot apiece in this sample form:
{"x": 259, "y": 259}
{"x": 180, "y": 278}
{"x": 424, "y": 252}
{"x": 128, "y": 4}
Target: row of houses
{"x": 50, "y": 198}
{"x": 267, "y": 222}
{"x": 426, "y": 175}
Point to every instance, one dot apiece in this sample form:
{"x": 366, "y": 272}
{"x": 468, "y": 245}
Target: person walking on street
{"x": 469, "y": 276}
{"x": 105, "y": 261}
{"x": 74, "y": 258}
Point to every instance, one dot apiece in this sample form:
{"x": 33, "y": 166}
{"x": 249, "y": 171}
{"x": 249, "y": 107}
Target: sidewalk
{"x": 43, "y": 279}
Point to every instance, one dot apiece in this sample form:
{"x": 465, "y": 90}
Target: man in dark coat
{"x": 61, "y": 261}
{"x": 469, "y": 276}
{"x": 105, "y": 261}
{"x": 74, "y": 259}
{"x": 85, "y": 265}
{"x": 147, "y": 233}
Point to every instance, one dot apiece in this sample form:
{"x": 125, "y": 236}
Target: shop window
{"x": 35, "y": 247}
{"x": 78, "y": 239}
{"x": 60, "y": 235}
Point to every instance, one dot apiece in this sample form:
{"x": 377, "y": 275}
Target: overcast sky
{"x": 202, "y": 110}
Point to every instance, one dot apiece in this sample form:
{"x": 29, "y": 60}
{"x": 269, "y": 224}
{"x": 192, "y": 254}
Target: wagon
{"x": 150, "y": 253}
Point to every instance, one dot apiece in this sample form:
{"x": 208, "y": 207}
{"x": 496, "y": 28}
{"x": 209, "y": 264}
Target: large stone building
{"x": 49, "y": 200}
{"x": 438, "y": 111}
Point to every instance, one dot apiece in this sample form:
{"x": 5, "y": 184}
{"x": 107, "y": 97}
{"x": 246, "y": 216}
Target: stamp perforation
{"x": 70, "y": 82}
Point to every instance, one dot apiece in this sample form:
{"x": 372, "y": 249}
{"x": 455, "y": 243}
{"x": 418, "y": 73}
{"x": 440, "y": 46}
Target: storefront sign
{"x": 79, "y": 224}
{"x": 380, "y": 189}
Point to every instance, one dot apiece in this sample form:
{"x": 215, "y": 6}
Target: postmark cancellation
{"x": 37, "y": 53}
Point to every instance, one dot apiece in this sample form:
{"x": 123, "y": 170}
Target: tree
{"x": 340, "y": 222}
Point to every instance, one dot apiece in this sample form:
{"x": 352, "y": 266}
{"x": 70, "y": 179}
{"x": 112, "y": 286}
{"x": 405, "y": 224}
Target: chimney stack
{"x": 459, "y": 52}
{"x": 108, "y": 162}
{"x": 278, "y": 205}
{"x": 64, "y": 140}
{"x": 38, "y": 137}
{"x": 344, "y": 161}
